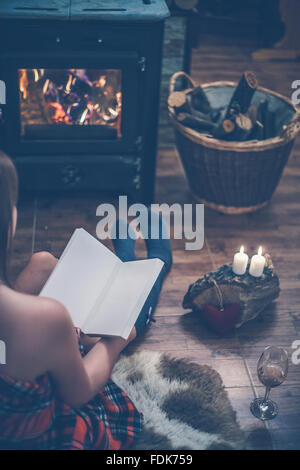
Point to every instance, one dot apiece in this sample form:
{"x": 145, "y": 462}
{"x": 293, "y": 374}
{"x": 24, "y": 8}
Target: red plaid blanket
{"x": 32, "y": 417}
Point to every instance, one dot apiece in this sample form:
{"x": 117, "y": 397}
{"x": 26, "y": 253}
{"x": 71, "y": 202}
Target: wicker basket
{"x": 235, "y": 177}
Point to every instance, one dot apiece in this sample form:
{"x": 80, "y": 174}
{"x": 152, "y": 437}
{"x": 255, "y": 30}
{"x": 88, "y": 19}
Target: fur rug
{"x": 184, "y": 404}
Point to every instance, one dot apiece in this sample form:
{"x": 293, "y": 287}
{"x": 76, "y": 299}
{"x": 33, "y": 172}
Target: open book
{"x": 103, "y": 295}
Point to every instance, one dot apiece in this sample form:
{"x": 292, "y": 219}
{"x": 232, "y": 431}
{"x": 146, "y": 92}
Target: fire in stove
{"x": 71, "y": 97}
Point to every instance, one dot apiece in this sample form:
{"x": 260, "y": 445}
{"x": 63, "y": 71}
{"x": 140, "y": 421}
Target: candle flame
{"x": 242, "y": 249}
{"x": 259, "y": 251}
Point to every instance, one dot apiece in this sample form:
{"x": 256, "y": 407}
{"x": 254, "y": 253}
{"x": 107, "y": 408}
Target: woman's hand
{"x": 132, "y": 335}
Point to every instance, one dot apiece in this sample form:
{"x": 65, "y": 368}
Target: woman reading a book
{"x": 55, "y": 385}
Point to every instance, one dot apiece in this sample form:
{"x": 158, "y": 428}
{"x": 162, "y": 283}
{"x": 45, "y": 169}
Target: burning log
{"x": 55, "y": 113}
{"x": 72, "y": 96}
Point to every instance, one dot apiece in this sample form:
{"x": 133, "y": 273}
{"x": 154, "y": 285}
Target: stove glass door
{"x": 70, "y": 103}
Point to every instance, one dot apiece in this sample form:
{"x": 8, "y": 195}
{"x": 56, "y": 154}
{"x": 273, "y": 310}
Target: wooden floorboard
{"x": 47, "y": 222}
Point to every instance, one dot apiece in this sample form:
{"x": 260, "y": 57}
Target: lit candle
{"x": 240, "y": 262}
{"x": 257, "y": 264}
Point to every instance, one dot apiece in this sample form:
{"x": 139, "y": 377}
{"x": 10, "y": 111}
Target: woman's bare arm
{"x": 79, "y": 379}
{"x": 40, "y": 337}
{"x": 89, "y": 341}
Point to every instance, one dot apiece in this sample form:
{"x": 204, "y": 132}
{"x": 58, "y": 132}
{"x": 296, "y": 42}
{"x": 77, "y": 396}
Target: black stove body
{"x": 82, "y": 93}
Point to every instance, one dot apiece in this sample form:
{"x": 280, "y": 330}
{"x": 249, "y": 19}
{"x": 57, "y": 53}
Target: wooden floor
{"x": 46, "y": 223}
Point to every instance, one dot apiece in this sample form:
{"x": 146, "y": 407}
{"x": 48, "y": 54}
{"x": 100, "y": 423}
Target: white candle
{"x": 257, "y": 264}
{"x": 240, "y": 262}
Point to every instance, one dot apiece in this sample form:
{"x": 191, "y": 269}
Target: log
{"x": 199, "y": 100}
{"x": 267, "y": 118}
{"x": 257, "y": 132}
{"x": 243, "y": 127}
{"x": 252, "y": 113}
{"x": 196, "y": 123}
{"x": 243, "y": 93}
{"x": 224, "y": 129}
{"x": 210, "y": 115}
{"x": 252, "y": 294}
{"x": 195, "y": 112}
{"x": 178, "y": 100}
{"x": 215, "y": 114}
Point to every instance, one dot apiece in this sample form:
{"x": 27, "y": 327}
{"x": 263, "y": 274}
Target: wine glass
{"x": 272, "y": 369}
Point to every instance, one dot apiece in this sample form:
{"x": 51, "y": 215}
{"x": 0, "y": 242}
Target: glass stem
{"x": 267, "y": 393}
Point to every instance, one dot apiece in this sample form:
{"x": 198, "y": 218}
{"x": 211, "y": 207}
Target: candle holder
{"x": 252, "y": 294}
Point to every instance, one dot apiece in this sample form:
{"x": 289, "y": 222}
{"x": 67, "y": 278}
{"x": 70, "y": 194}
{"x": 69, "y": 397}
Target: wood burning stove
{"x": 82, "y": 92}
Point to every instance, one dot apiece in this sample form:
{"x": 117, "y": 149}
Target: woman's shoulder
{"x": 30, "y": 326}
{"x": 28, "y": 307}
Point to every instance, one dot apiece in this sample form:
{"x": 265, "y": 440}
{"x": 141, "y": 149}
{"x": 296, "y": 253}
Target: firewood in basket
{"x": 199, "y": 100}
{"x": 224, "y": 129}
{"x": 243, "y": 127}
{"x": 243, "y": 93}
{"x": 195, "y": 112}
{"x": 196, "y": 123}
{"x": 252, "y": 113}
{"x": 178, "y": 100}
{"x": 257, "y": 132}
{"x": 267, "y": 118}
{"x": 213, "y": 115}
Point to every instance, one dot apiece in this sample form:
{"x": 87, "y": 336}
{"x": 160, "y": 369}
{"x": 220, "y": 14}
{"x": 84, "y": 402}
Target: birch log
{"x": 252, "y": 294}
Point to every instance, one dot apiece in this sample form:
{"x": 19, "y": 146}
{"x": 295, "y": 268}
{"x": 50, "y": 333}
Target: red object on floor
{"x": 222, "y": 321}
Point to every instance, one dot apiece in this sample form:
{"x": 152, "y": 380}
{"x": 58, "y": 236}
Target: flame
{"x": 242, "y": 249}
{"x": 83, "y": 116}
{"x": 259, "y": 251}
{"x": 36, "y": 75}
{"x": 119, "y": 98}
{"x": 113, "y": 112}
{"x": 102, "y": 81}
{"x": 46, "y": 84}
{"x": 23, "y": 83}
{"x": 57, "y": 113}
{"x": 68, "y": 85}
{"x": 102, "y": 105}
